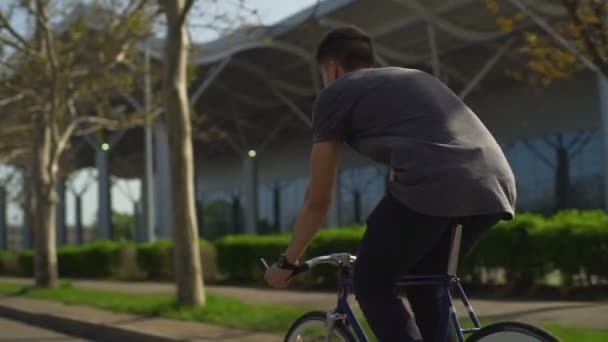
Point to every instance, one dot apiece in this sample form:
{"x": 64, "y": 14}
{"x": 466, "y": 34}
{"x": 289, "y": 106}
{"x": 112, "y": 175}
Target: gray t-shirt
{"x": 446, "y": 162}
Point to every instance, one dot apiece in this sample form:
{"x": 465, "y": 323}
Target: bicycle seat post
{"x": 454, "y": 250}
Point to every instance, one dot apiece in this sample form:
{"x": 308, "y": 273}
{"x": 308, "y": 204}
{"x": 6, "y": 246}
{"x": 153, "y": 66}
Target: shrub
{"x": 239, "y": 255}
{"x": 109, "y": 259}
{"x": 95, "y": 260}
{"x": 26, "y": 263}
{"x": 525, "y": 250}
{"x": 513, "y": 246}
{"x": 157, "y": 260}
{"x": 9, "y": 263}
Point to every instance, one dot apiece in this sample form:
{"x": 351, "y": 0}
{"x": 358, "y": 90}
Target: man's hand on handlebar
{"x": 277, "y": 277}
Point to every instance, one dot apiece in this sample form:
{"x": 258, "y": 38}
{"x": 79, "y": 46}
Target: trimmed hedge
{"x": 239, "y": 255}
{"x": 96, "y": 260}
{"x": 109, "y": 259}
{"x": 519, "y": 252}
{"x": 525, "y": 250}
{"x": 156, "y": 259}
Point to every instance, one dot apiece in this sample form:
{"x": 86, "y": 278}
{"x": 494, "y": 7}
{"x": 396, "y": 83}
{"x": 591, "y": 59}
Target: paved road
{"x": 14, "y": 331}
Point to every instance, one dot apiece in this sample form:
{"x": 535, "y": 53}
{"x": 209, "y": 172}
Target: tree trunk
{"x": 562, "y": 179}
{"x": 78, "y": 220}
{"x": 276, "y": 208}
{"x": 357, "y": 206}
{"x": 45, "y": 198}
{"x": 235, "y": 214}
{"x": 185, "y": 231}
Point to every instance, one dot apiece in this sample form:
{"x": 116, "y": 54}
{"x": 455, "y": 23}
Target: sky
{"x": 124, "y": 191}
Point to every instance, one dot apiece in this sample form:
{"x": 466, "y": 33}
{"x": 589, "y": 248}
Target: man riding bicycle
{"x": 446, "y": 167}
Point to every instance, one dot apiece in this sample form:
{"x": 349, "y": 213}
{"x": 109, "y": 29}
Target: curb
{"x": 81, "y": 329}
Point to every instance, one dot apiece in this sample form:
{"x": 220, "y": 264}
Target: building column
{"x": 104, "y": 209}
{"x": 235, "y": 214}
{"x": 78, "y": 219}
{"x": 27, "y": 236}
{"x": 3, "y": 223}
{"x": 603, "y": 98}
{"x": 147, "y": 189}
{"x": 250, "y": 191}
{"x": 137, "y": 231}
{"x": 164, "y": 209}
{"x": 276, "y": 208}
{"x": 147, "y": 204}
{"x": 60, "y": 219}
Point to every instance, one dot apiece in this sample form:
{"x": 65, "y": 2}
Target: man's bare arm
{"x": 324, "y": 161}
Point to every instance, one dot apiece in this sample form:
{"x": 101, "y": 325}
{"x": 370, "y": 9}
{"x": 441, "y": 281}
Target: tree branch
{"x": 4, "y": 23}
{"x": 587, "y": 40}
{"x": 42, "y": 19}
{"x": 539, "y": 155}
{"x": 602, "y": 30}
{"x": 575, "y": 141}
{"x": 69, "y": 131}
{"x": 550, "y": 143}
{"x": 12, "y": 155}
{"x": 185, "y": 10}
{"x": 13, "y": 44}
{"x": 6, "y": 181}
{"x": 8, "y": 101}
{"x": 15, "y": 129}
{"x": 583, "y": 143}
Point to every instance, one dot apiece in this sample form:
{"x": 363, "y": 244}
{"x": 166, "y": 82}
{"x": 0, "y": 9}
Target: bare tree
{"x": 564, "y": 150}
{"x": 58, "y": 82}
{"x": 189, "y": 277}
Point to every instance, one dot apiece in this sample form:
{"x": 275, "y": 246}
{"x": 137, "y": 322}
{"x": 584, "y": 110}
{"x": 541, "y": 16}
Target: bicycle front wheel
{"x": 511, "y": 332}
{"x": 312, "y": 327}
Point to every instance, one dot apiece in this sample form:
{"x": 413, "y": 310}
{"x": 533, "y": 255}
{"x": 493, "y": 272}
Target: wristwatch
{"x": 284, "y": 264}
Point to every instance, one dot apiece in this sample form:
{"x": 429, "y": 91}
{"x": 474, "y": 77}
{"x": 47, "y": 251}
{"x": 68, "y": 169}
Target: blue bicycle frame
{"x": 449, "y": 283}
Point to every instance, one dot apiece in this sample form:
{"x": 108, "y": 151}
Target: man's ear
{"x": 338, "y": 70}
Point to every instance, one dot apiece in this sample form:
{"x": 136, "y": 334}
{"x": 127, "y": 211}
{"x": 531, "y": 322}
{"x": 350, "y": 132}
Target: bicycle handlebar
{"x": 335, "y": 259}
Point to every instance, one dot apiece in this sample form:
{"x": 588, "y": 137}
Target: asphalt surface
{"x": 13, "y": 331}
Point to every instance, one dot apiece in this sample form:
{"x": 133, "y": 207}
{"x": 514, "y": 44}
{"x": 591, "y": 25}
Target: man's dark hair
{"x": 350, "y": 46}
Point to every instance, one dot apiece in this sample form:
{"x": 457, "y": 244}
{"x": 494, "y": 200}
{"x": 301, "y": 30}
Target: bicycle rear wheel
{"x": 312, "y": 327}
{"x": 511, "y": 332}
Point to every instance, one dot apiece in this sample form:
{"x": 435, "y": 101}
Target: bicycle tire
{"x": 318, "y": 316}
{"x": 511, "y": 332}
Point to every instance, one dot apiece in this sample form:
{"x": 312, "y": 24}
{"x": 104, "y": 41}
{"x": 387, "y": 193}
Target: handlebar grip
{"x": 300, "y": 269}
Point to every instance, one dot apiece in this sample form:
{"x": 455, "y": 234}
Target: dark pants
{"x": 399, "y": 241}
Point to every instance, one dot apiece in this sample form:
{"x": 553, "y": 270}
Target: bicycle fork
{"x": 330, "y": 322}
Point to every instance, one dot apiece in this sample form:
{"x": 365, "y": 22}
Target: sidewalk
{"x": 101, "y": 325}
{"x": 583, "y": 314}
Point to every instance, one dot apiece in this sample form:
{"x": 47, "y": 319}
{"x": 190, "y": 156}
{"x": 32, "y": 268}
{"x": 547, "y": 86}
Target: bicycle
{"x": 340, "y": 324}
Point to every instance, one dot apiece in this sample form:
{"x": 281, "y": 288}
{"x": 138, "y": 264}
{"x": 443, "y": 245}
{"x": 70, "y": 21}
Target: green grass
{"x": 221, "y": 311}
{"x": 564, "y": 333}
{"x": 577, "y": 334}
